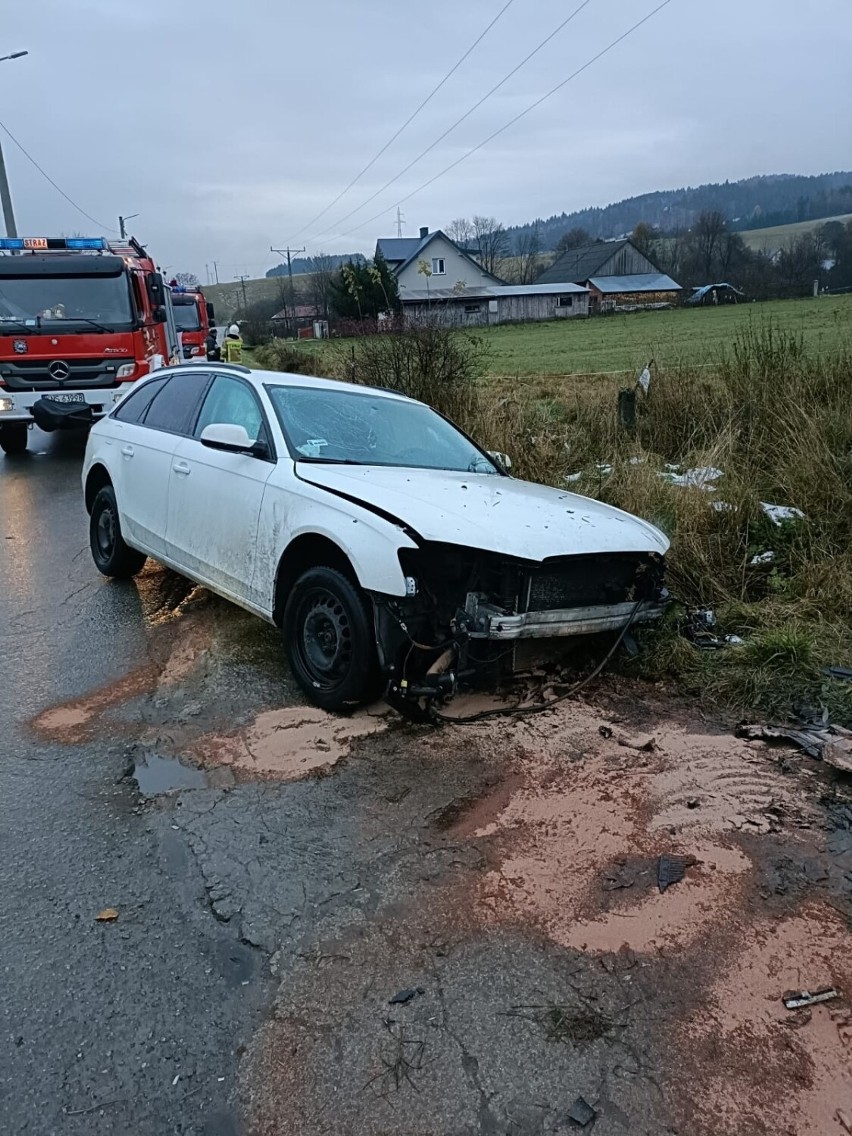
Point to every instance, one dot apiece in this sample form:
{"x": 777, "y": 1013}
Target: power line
{"x": 406, "y": 124}
{"x": 512, "y": 121}
{"x": 47, "y": 177}
{"x": 466, "y": 115}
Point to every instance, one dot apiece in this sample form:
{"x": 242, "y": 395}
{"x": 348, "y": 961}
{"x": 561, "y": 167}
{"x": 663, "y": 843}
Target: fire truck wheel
{"x": 111, "y": 555}
{"x": 13, "y": 438}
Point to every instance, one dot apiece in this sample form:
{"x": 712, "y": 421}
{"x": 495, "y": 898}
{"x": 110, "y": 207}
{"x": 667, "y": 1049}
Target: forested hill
{"x": 754, "y": 203}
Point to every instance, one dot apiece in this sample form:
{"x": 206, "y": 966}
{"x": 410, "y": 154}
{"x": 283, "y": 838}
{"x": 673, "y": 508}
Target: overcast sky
{"x": 229, "y": 126}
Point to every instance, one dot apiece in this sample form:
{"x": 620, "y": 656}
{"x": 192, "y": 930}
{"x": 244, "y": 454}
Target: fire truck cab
{"x": 194, "y": 317}
{"x": 81, "y": 318}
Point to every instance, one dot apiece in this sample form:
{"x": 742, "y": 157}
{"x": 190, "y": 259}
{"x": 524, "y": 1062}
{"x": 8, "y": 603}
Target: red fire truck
{"x": 194, "y": 317}
{"x": 80, "y": 319}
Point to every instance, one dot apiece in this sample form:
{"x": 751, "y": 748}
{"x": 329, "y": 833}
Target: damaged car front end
{"x": 478, "y": 616}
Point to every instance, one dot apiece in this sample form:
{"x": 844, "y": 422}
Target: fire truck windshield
{"x": 38, "y": 301}
{"x": 186, "y": 316}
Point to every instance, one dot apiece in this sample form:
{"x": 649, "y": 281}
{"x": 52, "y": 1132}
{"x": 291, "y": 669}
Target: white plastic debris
{"x": 778, "y": 514}
{"x": 636, "y": 461}
{"x": 645, "y": 379}
{"x": 702, "y": 477}
{"x": 570, "y": 477}
{"x": 604, "y": 468}
{"x": 763, "y": 557}
{"x": 734, "y": 640}
{"x": 723, "y": 506}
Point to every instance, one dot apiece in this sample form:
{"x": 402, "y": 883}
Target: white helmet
{"x": 233, "y": 329}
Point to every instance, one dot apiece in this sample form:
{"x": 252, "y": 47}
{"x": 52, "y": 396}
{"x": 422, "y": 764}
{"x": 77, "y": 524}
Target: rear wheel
{"x": 13, "y": 438}
{"x": 330, "y": 642}
{"x": 111, "y": 555}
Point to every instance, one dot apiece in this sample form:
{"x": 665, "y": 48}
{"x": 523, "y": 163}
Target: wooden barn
{"x": 618, "y": 275}
{"x": 499, "y": 303}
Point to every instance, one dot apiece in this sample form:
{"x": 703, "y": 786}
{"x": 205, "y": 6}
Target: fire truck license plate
{"x": 67, "y": 397}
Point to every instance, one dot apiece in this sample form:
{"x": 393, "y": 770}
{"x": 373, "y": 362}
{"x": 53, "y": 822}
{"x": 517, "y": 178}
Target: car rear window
{"x": 133, "y": 407}
{"x": 175, "y": 406}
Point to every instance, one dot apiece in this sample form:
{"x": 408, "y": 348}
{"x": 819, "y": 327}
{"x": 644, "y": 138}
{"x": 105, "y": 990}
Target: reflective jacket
{"x": 232, "y": 350}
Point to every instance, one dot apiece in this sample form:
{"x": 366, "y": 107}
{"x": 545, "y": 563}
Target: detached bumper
{"x": 557, "y": 624}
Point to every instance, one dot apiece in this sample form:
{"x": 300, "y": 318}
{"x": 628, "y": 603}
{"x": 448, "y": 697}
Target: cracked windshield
{"x": 360, "y": 429}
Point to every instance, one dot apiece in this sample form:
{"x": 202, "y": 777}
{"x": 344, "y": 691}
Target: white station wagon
{"x": 393, "y": 553}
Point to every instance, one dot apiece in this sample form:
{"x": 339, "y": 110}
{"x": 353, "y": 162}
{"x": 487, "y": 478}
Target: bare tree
{"x": 461, "y": 231}
{"x": 527, "y": 256}
{"x": 708, "y": 233}
{"x": 644, "y": 237}
{"x": 574, "y": 238}
{"x": 187, "y": 279}
{"x": 492, "y": 240}
{"x": 320, "y": 285}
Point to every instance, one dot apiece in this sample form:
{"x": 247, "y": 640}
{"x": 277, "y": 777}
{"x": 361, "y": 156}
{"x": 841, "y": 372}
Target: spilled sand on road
{"x": 290, "y": 743}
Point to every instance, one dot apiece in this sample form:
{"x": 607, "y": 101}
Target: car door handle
{"x": 127, "y": 451}
{"x": 182, "y": 468}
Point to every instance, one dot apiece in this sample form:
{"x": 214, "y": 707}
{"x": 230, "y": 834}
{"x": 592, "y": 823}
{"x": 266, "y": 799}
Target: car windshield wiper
{"x": 328, "y": 461}
{"x": 26, "y": 328}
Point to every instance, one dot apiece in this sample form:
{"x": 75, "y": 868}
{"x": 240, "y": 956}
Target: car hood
{"x": 500, "y": 514}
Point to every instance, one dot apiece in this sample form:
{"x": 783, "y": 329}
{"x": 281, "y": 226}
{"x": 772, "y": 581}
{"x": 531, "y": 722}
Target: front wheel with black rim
{"x": 330, "y": 642}
{"x": 111, "y": 555}
{"x": 14, "y": 437}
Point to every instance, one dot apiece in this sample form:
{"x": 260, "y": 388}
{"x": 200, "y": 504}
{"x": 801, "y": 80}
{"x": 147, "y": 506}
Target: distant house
{"x": 618, "y": 275}
{"x": 447, "y": 265}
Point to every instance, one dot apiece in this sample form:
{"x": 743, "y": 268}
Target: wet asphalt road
{"x": 130, "y": 1027}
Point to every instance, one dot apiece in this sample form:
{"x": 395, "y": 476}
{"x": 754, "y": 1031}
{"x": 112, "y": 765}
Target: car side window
{"x": 232, "y": 401}
{"x": 175, "y": 406}
{"x": 132, "y": 408}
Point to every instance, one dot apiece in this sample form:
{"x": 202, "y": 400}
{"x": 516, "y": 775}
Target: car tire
{"x": 14, "y": 437}
{"x": 330, "y": 641}
{"x": 111, "y": 555}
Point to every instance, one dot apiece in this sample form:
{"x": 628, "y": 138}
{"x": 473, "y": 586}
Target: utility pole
{"x": 216, "y": 270}
{"x": 242, "y": 279}
{"x": 122, "y": 224}
{"x": 5, "y": 192}
{"x": 290, "y": 253}
{"x": 400, "y": 221}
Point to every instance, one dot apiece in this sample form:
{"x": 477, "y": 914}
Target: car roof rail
{"x": 208, "y": 364}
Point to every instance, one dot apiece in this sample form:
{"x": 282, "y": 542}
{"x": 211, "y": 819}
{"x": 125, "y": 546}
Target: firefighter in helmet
{"x": 232, "y": 346}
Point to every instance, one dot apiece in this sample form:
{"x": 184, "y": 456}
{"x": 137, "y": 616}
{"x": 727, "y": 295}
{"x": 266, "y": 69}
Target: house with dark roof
{"x": 431, "y": 262}
{"x": 618, "y": 275}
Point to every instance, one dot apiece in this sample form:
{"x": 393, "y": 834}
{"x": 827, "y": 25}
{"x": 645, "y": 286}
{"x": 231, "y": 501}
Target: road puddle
{"x": 157, "y": 775}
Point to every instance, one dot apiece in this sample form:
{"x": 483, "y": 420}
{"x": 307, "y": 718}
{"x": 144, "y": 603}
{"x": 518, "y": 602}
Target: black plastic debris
{"x": 842, "y": 673}
{"x": 403, "y": 997}
{"x": 829, "y": 743}
{"x": 671, "y": 869}
{"x": 796, "y": 999}
{"x": 581, "y": 1113}
{"x": 605, "y": 731}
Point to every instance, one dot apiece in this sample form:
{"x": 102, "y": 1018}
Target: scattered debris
{"x": 778, "y": 514}
{"x": 570, "y": 477}
{"x": 581, "y": 1113}
{"x": 699, "y": 622}
{"x": 844, "y": 1119}
{"x": 842, "y": 673}
{"x": 671, "y": 869}
{"x": 108, "y": 915}
{"x": 403, "y": 997}
{"x": 763, "y": 557}
{"x": 605, "y": 731}
{"x": 644, "y": 745}
{"x": 693, "y": 803}
{"x": 796, "y": 999}
{"x": 829, "y": 743}
{"x": 702, "y": 477}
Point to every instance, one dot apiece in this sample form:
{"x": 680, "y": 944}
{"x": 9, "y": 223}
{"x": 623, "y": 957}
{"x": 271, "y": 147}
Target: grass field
{"x": 779, "y": 236}
{"x": 624, "y": 343}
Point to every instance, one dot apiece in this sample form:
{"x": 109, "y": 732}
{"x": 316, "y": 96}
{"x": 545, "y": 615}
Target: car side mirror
{"x": 503, "y": 460}
{"x": 233, "y": 439}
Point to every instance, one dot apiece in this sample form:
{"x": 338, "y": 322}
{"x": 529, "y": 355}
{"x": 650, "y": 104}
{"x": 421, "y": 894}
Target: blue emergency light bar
{"x": 53, "y": 244}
